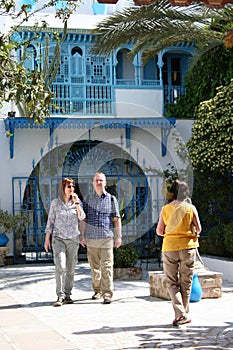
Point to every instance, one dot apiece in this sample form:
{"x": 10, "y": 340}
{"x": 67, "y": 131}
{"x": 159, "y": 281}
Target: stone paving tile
{"x": 19, "y": 329}
{"x": 133, "y": 321}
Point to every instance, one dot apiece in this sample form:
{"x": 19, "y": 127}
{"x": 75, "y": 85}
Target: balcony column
{"x": 160, "y": 65}
{"x": 115, "y": 62}
{"x": 137, "y": 70}
{"x": 127, "y": 135}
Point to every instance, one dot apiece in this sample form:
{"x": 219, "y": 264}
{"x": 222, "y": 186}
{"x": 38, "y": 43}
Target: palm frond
{"x": 149, "y": 29}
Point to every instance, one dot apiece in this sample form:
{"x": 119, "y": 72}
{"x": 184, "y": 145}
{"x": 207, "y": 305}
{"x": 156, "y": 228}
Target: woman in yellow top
{"x": 179, "y": 248}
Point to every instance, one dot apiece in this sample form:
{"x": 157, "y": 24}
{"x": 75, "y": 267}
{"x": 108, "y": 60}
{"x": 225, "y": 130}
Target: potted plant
{"x": 125, "y": 259}
{"x": 10, "y": 223}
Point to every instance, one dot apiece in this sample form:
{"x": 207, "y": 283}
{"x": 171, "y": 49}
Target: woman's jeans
{"x": 178, "y": 268}
{"x": 65, "y": 252}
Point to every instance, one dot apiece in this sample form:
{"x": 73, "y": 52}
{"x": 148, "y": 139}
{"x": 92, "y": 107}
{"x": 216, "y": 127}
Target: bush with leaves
{"x": 211, "y": 144}
{"x": 13, "y": 222}
{"x": 211, "y": 150}
{"x": 212, "y": 195}
{"x": 125, "y": 256}
{"x": 212, "y": 70}
{"x": 228, "y": 238}
{"x": 215, "y": 241}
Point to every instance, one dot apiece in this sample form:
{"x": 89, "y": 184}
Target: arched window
{"x": 76, "y": 61}
{"x": 150, "y": 71}
{"x": 124, "y": 68}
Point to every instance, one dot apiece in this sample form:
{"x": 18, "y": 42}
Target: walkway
{"x": 133, "y": 321}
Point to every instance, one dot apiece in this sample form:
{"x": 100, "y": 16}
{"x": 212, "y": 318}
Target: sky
{"x": 85, "y": 7}
{"x": 85, "y": 18}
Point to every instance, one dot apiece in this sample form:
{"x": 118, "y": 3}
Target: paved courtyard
{"x": 134, "y": 320}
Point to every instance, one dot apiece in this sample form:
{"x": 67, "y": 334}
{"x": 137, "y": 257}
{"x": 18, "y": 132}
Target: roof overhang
{"x": 165, "y": 124}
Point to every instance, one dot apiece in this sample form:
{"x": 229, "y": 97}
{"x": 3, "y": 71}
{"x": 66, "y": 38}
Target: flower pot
{"x": 3, "y": 240}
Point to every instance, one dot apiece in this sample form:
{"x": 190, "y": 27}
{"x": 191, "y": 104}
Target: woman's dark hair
{"x": 61, "y": 189}
{"x": 179, "y": 189}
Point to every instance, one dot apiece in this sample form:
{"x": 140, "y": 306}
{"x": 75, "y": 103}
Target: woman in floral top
{"x": 62, "y": 224}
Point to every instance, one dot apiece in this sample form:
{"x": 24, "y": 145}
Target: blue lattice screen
{"x": 83, "y": 84}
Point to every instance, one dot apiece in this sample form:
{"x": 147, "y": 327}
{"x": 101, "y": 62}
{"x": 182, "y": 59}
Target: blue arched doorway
{"x": 80, "y": 160}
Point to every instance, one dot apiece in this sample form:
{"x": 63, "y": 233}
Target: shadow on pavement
{"x": 170, "y": 337}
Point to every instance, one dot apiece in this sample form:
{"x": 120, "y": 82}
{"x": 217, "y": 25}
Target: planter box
{"x": 211, "y": 283}
{"x": 127, "y": 273}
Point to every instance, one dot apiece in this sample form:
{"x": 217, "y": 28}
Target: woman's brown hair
{"x": 180, "y": 190}
{"x": 61, "y": 189}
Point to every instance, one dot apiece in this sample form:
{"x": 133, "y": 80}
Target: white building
{"x": 108, "y": 116}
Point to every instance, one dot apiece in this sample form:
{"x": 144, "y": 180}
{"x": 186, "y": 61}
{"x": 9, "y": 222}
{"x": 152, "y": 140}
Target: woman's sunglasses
{"x": 71, "y": 186}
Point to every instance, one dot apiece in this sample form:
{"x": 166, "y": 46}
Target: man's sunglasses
{"x": 70, "y": 186}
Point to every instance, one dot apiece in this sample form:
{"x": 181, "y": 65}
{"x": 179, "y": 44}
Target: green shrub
{"x": 215, "y": 241}
{"x": 12, "y": 222}
{"x": 228, "y": 238}
{"x": 125, "y": 256}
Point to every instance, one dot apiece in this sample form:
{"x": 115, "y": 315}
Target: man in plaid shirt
{"x": 97, "y": 233}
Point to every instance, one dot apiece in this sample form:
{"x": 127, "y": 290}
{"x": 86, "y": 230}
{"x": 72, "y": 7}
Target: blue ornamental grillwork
{"x": 85, "y": 84}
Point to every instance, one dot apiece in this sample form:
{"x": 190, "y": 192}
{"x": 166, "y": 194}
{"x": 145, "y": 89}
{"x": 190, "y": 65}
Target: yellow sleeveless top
{"x": 178, "y": 234}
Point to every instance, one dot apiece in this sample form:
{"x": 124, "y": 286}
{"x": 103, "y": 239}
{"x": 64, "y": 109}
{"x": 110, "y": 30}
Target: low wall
{"x": 219, "y": 265}
{"x": 211, "y": 284}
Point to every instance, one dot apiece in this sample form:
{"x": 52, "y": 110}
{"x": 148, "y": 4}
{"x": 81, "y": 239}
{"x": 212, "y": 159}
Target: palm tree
{"x": 152, "y": 28}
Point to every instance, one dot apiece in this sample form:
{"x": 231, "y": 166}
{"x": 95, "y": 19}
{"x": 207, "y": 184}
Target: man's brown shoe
{"x": 107, "y": 300}
{"x": 68, "y": 300}
{"x": 96, "y": 296}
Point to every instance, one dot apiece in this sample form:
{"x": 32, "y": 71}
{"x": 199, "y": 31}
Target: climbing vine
{"x": 211, "y": 144}
{"x": 212, "y": 70}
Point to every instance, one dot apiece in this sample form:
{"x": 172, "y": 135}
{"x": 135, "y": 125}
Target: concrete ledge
{"x": 211, "y": 283}
{"x": 127, "y": 273}
{"x": 220, "y": 265}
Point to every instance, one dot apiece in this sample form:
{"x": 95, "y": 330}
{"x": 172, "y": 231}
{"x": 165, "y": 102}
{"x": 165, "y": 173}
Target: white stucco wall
{"x": 29, "y": 142}
{"x": 145, "y": 148}
{"x": 139, "y": 102}
{"x": 184, "y": 127}
{"x": 219, "y": 265}
{"x": 5, "y": 179}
